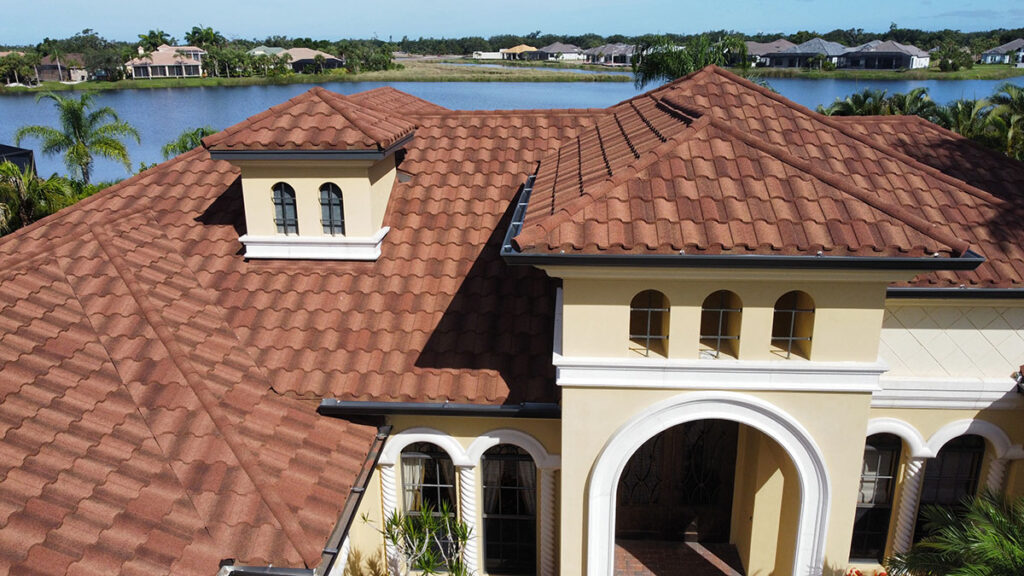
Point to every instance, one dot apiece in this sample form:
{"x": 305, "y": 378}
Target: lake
{"x": 161, "y": 115}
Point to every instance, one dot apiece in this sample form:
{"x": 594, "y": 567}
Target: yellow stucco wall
{"x": 847, "y": 319}
{"x": 365, "y": 188}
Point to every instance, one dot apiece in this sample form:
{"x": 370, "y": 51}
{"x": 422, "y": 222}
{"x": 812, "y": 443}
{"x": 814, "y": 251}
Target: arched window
{"x": 648, "y": 323}
{"x": 793, "y": 325}
{"x": 509, "y": 510}
{"x": 428, "y": 478}
{"x": 951, "y": 476}
{"x": 285, "y": 216}
{"x": 332, "y": 209}
{"x": 720, "y": 325}
{"x": 874, "y": 500}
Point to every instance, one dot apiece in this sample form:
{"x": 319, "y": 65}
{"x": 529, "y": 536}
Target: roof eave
{"x": 368, "y": 154}
{"x": 954, "y": 292}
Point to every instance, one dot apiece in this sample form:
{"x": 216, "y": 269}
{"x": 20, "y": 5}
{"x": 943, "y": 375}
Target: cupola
{"x": 317, "y": 173}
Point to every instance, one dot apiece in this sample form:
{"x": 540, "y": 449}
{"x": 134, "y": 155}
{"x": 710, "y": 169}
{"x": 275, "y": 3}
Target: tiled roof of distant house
{"x": 1011, "y": 46}
{"x": 887, "y": 47}
{"x": 560, "y": 48}
{"x": 298, "y": 54}
{"x": 817, "y": 46}
{"x": 157, "y": 388}
{"x": 71, "y": 59}
{"x": 611, "y": 50}
{"x": 166, "y": 55}
{"x": 763, "y": 48}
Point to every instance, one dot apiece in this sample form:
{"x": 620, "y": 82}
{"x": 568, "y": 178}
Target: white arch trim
{"x": 533, "y": 447}
{"x": 815, "y": 486}
{"x": 1001, "y": 444}
{"x": 392, "y": 452}
{"x": 915, "y": 441}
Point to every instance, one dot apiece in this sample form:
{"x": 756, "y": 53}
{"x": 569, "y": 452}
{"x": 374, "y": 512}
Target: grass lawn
{"x": 978, "y": 72}
{"x": 412, "y": 71}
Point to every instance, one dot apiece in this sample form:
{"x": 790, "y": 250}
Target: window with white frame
{"x": 509, "y": 483}
{"x": 875, "y": 497}
{"x": 720, "y": 325}
{"x": 428, "y": 479}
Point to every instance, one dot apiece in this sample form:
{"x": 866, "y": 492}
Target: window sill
{"x": 314, "y": 247}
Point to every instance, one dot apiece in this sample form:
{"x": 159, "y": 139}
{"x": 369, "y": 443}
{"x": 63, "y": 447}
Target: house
{"x": 758, "y": 52}
{"x": 887, "y": 55}
{"x": 262, "y": 50}
{"x": 807, "y": 54}
{"x": 22, "y": 157}
{"x": 704, "y": 323}
{"x": 67, "y": 68}
{"x": 611, "y": 54}
{"x": 1010, "y": 53}
{"x": 519, "y": 52}
{"x": 167, "y": 61}
{"x": 481, "y": 55}
{"x": 304, "y": 60}
{"x": 558, "y": 51}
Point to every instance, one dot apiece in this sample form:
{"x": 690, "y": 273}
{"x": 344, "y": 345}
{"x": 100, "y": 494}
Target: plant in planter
{"x": 428, "y": 541}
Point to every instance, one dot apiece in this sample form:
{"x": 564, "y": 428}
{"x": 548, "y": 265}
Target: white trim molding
{"x": 283, "y": 247}
{"x": 1001, "y": 445}
{"x": 392, "y": 451}
{"x": 722, "y": 374}
{"x": 815, "y": 486}
{"x": 910, "y": 435}
{"x": 535, "y": 449}
{"x": 910, "y": 495}
{"x": 468, "y": 512}
{"x": 952, "y": 393}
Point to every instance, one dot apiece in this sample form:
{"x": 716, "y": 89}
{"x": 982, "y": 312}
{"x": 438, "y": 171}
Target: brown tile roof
{"x": 314, "y": 120}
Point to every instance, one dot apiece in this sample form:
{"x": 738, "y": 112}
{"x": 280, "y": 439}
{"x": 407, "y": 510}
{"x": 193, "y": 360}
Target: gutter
{"x": 960, "y": 292}
{"x": 349, "y": 408}
{"x": 311, "y": 154}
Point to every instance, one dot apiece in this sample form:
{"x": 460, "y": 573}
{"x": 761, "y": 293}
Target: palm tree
{"x": 1008, "y": 107}
{"x": 867, "y": 102}
{"x": 186, "y": 141}
{"x": 968, "y": 118}
{"x": 913, "y": 103}
{"x": 24, "y": 198}
{"x": 983, "y": 538}
{"x": 83, "y": 133}
{"x": 204, "y": 37}
{"x": 154, "y": 38}
{"x": 659, "y": 58}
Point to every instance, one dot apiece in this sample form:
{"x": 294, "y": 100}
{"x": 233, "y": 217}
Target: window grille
{"x": 332, "y": 209}
{"x": 793, "y": 325}
{"x": 648, "y": 323}
{"x": 285, "y": 215}
{"x": 950, "y": 477}
{"x": 875, "y": 498}
{"x": 509, "y": 511}
{"x": 720, "y": 325}
{"x": 428, "y": 480}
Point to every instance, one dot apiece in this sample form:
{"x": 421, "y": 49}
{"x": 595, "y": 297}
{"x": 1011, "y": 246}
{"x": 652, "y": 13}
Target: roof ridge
{"x": 382, "y": 139}
{"x": 898, "y": 212}
{"x": 867, "y": 141}
{"x": 293, "y": 531}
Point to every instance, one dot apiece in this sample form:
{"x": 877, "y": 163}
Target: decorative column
{"x": 996, "y": 475}
{"x": 909, "y": 498}
{"x": 467, "y": 505}
{"x": 547, "y": 521}
{"x": 389, "y": 505}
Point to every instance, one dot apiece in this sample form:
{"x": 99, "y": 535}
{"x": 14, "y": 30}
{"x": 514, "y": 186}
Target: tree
{"x": 951, "y": 57}
{"x": 186, "y": 141}
{"x": 867, "y": 102}
{"x": 1008, "y": 110}
{"x": 660, "y": 58}
{"x": 17, "y": 66}
{"x": 427, "y": 542}
{"x": 154, "y": 39}
{"x": 319, "y": 61}
{"x": 968, "y": 118}
{"x": 84, "y": 132}
{"x": 985, "y": 537}
{"x": 204, "y": 37}
{"x": 24, "y": 198}
{"x": 913, "y": 103}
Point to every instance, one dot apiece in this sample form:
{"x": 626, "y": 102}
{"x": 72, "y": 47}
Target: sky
{"x": 29, "y": 21}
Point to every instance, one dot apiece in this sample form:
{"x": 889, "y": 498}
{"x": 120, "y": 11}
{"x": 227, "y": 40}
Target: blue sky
{"x": 28, "y": 21}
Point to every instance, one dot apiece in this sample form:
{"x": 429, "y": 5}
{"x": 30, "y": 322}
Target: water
{"x": 160, "y": 115}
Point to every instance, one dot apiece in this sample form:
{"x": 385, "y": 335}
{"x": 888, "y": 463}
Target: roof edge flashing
{"x": 367, "y": 154}
{"x": 349, "y": 408}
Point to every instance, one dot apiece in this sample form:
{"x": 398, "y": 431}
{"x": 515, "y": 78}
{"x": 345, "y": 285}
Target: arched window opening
{"x": 332, "y": 209}
{"x": 648, "y": 323}
{"x": 720, "y": 325}
{"x": 285, "y": 215}
{"x": 509, "y": 510}
{"x": 793, "y": 325}
{"x": 950, "y": 477}
{"x": 875, "y": 497}
{"x": 428, "y": 483}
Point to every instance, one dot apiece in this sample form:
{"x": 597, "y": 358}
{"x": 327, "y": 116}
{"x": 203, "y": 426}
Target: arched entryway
{"x": 722, "y": 411}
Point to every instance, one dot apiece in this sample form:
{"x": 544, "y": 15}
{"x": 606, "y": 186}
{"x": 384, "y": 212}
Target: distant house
{"x": 610, "y": 54}
{"x": 1010, "y": 53}
{"x": 304, "y": 59}
{"x": 803, "y": 55}
{"x": 517, "y": 52}
{"x": 62, "y": 68}
{"x": 558, "y": 51}
{"x": 21, "y": 157}
{"x": 887, "y": 55}
{"x": 481, "y": 55}
{"x": 262, "y": 50}
{"x": 167, "y": 62}
{"x": 757, "y": 52}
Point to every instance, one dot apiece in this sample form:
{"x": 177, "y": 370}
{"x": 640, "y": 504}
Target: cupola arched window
{"x": 793, "y": 325}
{"x": 720, "y": 325}
{"x": 648, "y": 323}
{"x": 285, "y": 215}
{"x": 509, "y": 510}
{"x": 332, "y": 209}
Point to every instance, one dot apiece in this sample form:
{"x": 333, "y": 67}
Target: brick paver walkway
{"x": 662, "y": 558}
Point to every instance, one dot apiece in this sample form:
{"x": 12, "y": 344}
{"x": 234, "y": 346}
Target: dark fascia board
{"x": 959, "y": 292}
{"x": 311, "y": 154}
{"x": 968, "y": 261}
{"x": 350, "y": 408}
{"x": 271, "y": 571}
